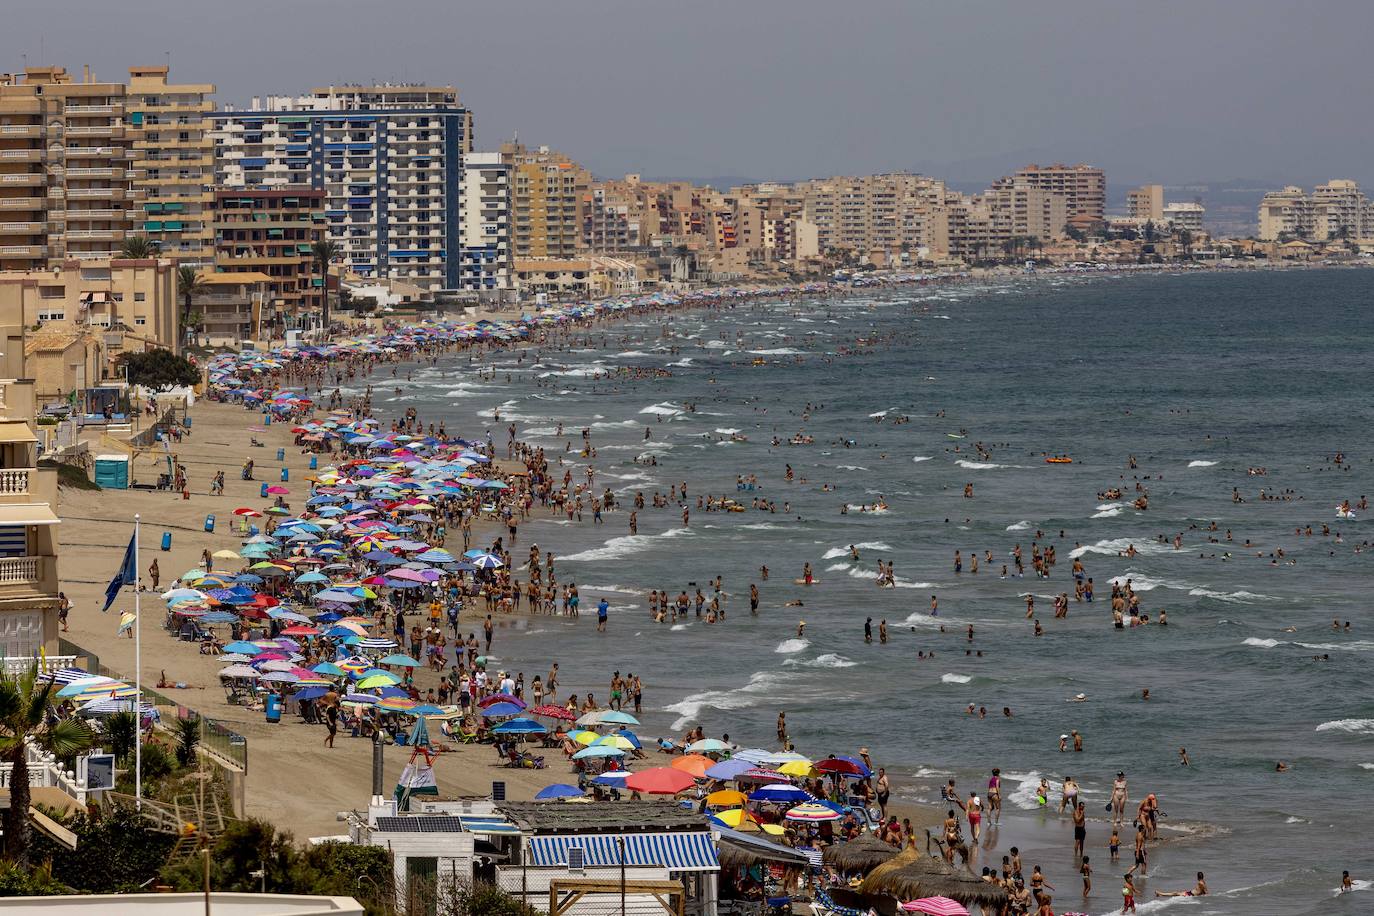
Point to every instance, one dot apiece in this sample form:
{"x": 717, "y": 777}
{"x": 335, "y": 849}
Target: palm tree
{"x": 189, "y": 285}
{"x": 137, "y": 247}
{"x": 23, "y": 722}
{"x": 325, "y": 251}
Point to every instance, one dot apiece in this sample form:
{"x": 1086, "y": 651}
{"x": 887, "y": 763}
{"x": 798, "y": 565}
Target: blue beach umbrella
{"x": 558, "y": 790}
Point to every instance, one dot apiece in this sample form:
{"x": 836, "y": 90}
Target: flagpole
{"x": 138, "y": 671}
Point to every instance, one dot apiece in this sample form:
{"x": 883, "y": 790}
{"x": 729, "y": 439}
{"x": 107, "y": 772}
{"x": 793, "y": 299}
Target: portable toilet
{"x": 209, "y": 523}
{"x": 281, "y": 454}
{"x": 166, "y": 540}
{"x": 285, "y": 474}
{"x": 112, "y": 471}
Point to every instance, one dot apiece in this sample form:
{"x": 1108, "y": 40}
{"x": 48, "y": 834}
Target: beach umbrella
{"x": 280, "y": 677}
{"x": 240, "y": 671}
{"x": 396, "y": 704}
{"x": 244, "y": 648}
{"x": 278, "y": 491}
{"x": 225, "y": 554}
{"x": 404, "y": 661}
{"x": 218, "y": 617}
{"x": 798, "y": 768}
{"x": 843, "y": 766}
{"x": 501, "y": 710}
{"x": 629, "y": 736}
{"x": 733, "y": 818}
{"x": 310, "y": 693}
{"x": 519, "y": 727}
{"x": 726, "y": 798}
{"x": 377, "y": 680}
{"x": 78, "y": 685}
{"x": 659, "y": 781}
{"x": 558, "y": 790}
{"x": 106, "y": 706}
{"x": 729, "y": 769}
{"x": 365, "y": 699}
{"x": 935, "y": 906}
{"x": 707, "y": 746}
{"x": 329, "y": 669}
{"x": 613, "y": 741}
{"x": 311, "y": 578}
{"x": 184, "y": 594}
{"x": 247, "y": 512}
{"x": 607, "y": 717}
{"x": 501, "y": 698}
{"x": 779, "y": 792}
{"x": 694, "y": 765}
{"x": 193, "y": 575}
{"x": 599, "y": 750}
{"x": 487, "y": 561}
{"x": 812, "y": 813}
{"x": 614, "y": 778}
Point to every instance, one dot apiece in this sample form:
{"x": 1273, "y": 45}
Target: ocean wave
{"x": 625, "y": 545}
{"x": 1023, "y": 796}
{"x": 664, "y": 409}
{"x": 1353, "y": 726}
{"x": 860, "y": 509}
{"x": 850, "y": 467}
{"x": 1201, "y": 464}
{"x": 828, "y": 660}
{"x": 1107, "y": 513}
{"x": 716, "y": 344}
{"x": 1359, "y": 645}
{"x": 763, "y": 526}
{"x": 679, "y": 626}
{"x": 776, "y": 351}
{"x": 1261, "y": 643}
{"x": 788, "y": 646}
{"x": 682, "y": 363}
{"x": 919, "y": 458}
{"x": 837, "y": 567}
{"x": 631, "y": 353}
{"x": 579, "y": 372}
{"x": 726, "y": 431}
{"x": 756, "y": 691}
{"x": 1117, "y": 546}
{"x": 922, "y": 619}
{"x": 1239, "y": 596}
{"x": 611, "y": 589}
{"x": 955, "y": 678}
{"x": 835, "y": 552}
{"x": 980, "y": 465}
{"x": 1019, "y": 526}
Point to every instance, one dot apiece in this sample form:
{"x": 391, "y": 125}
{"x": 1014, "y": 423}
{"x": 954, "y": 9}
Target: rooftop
{"x": 600, "y": 817}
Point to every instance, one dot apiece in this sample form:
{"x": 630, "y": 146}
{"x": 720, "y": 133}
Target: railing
{"x": 89, "y": 109}
{"x": 45, "y": 770}
{"x": 17, "y": 665}
{"x": 20, "y": 570}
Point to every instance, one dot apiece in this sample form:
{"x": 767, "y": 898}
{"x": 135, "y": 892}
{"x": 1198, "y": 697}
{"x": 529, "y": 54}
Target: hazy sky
{"x": 1167, "y": 90}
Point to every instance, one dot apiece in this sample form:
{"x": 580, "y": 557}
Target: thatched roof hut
{"x": 741, "y": 850}
{"x": 912, "y": 874}
{"x": 861, "y": 854}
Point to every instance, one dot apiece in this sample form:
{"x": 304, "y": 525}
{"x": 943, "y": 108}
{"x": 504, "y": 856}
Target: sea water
{"x": 1201, "y": 377}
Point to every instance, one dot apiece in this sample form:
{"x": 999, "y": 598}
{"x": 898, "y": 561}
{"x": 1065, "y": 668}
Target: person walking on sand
{"x": 154, "y": 573}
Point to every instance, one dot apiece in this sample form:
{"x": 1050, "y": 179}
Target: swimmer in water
{"x": 1198, "y": 890}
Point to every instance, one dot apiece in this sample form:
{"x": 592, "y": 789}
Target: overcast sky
{"x": 1167, "y": 90}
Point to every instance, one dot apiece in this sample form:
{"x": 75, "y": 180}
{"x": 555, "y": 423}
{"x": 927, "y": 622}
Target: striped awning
{"x": 673, "y": 851}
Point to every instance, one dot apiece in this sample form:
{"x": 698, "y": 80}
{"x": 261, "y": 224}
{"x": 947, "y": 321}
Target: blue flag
{"x": 125, "y": 575}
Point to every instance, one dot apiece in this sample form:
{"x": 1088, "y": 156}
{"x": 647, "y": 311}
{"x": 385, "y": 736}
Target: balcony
{"x": 95, "y": 235}
{"x": 23, "y": 203}
{"x": 95, "y": 173}
{"x": 103, "y": 193}
{"x": 21, "y": 228}
{"x": 15, "y": 481}
{"x": 23, "y": 251}
{"x": 104, "y": 152}
{"x": 21, "y": 155}
{"x": 102, "y": 213}
{"x": 21, "y": 130}
{"x": 22, "y": 577}
{"x": 29, "y": 179}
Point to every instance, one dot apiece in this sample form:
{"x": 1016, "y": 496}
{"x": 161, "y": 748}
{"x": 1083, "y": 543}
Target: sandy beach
{"x": 293, "y": 780}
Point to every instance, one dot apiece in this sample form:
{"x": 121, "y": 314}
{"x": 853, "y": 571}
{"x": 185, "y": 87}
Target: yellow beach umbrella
{"x": 226, "y": 555}
{"x": 725, "y": 798}
{"x": 801, "y": 768}
{"x": 733, "y": 817}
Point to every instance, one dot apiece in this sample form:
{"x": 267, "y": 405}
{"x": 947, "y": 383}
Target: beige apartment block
{"x": 1145, "y": 202}
{"x": 1084, "y": 187}
{"x": 68, "y": 188}
{"x": 1286, "y": 213}
{"x": 890, "y": 212}
{"x": 548, "y": 196}
{"x": 28, "y": 520}
{"x": 173, "y": 150}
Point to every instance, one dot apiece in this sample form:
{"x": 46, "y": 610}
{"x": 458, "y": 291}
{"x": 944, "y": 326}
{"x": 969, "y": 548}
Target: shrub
{"x": 188, "y": 739}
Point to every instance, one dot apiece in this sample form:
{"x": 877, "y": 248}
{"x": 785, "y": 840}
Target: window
{"x": 139, "y": 297}
{"x": 140, "y": 320}
{"x": 117, "y": 297}
{"x": 58, "y": 315}
{"x": 52, "y": 292}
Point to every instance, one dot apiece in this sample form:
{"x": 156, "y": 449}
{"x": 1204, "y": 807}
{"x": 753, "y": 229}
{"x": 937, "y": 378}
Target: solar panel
{"x": 430, "y": 823}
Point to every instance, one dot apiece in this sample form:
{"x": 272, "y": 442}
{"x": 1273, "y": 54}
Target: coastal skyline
{"x": 718, "y": 91}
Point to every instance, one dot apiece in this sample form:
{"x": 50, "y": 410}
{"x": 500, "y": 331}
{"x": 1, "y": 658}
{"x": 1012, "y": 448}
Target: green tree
{"x": 137, "y": 247}
{"x": 121, "y": 728}
{"x": 23, "y": 722}
{"x": 188, "y": 739}
{"x": 189, "y": 285}
{"x": 159, "y": 369}
{"x": 325, "y": 251}
{"x": 117, "y": 851}
{"x": 1185, "y": 240}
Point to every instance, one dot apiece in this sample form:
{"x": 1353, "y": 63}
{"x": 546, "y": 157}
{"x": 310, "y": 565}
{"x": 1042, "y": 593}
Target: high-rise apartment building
{"x": 67, "y": 188}
{"x": 1184, "y": 216}
{"x": 1083, "y": 187}
{"x": 389, "y": 158}
{"x": 272, "y": 232}
{"x": 1145, "y": 202}
{"x": 887, "y": 213}
{"x": 1341, "y": 211}
{"x": 1286, "y": 213}
{"x": 485, "y": 216}
{"x": 620, "y": 215}
{"x": 169, "y": 130}
{"x": 548, "y": 196}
